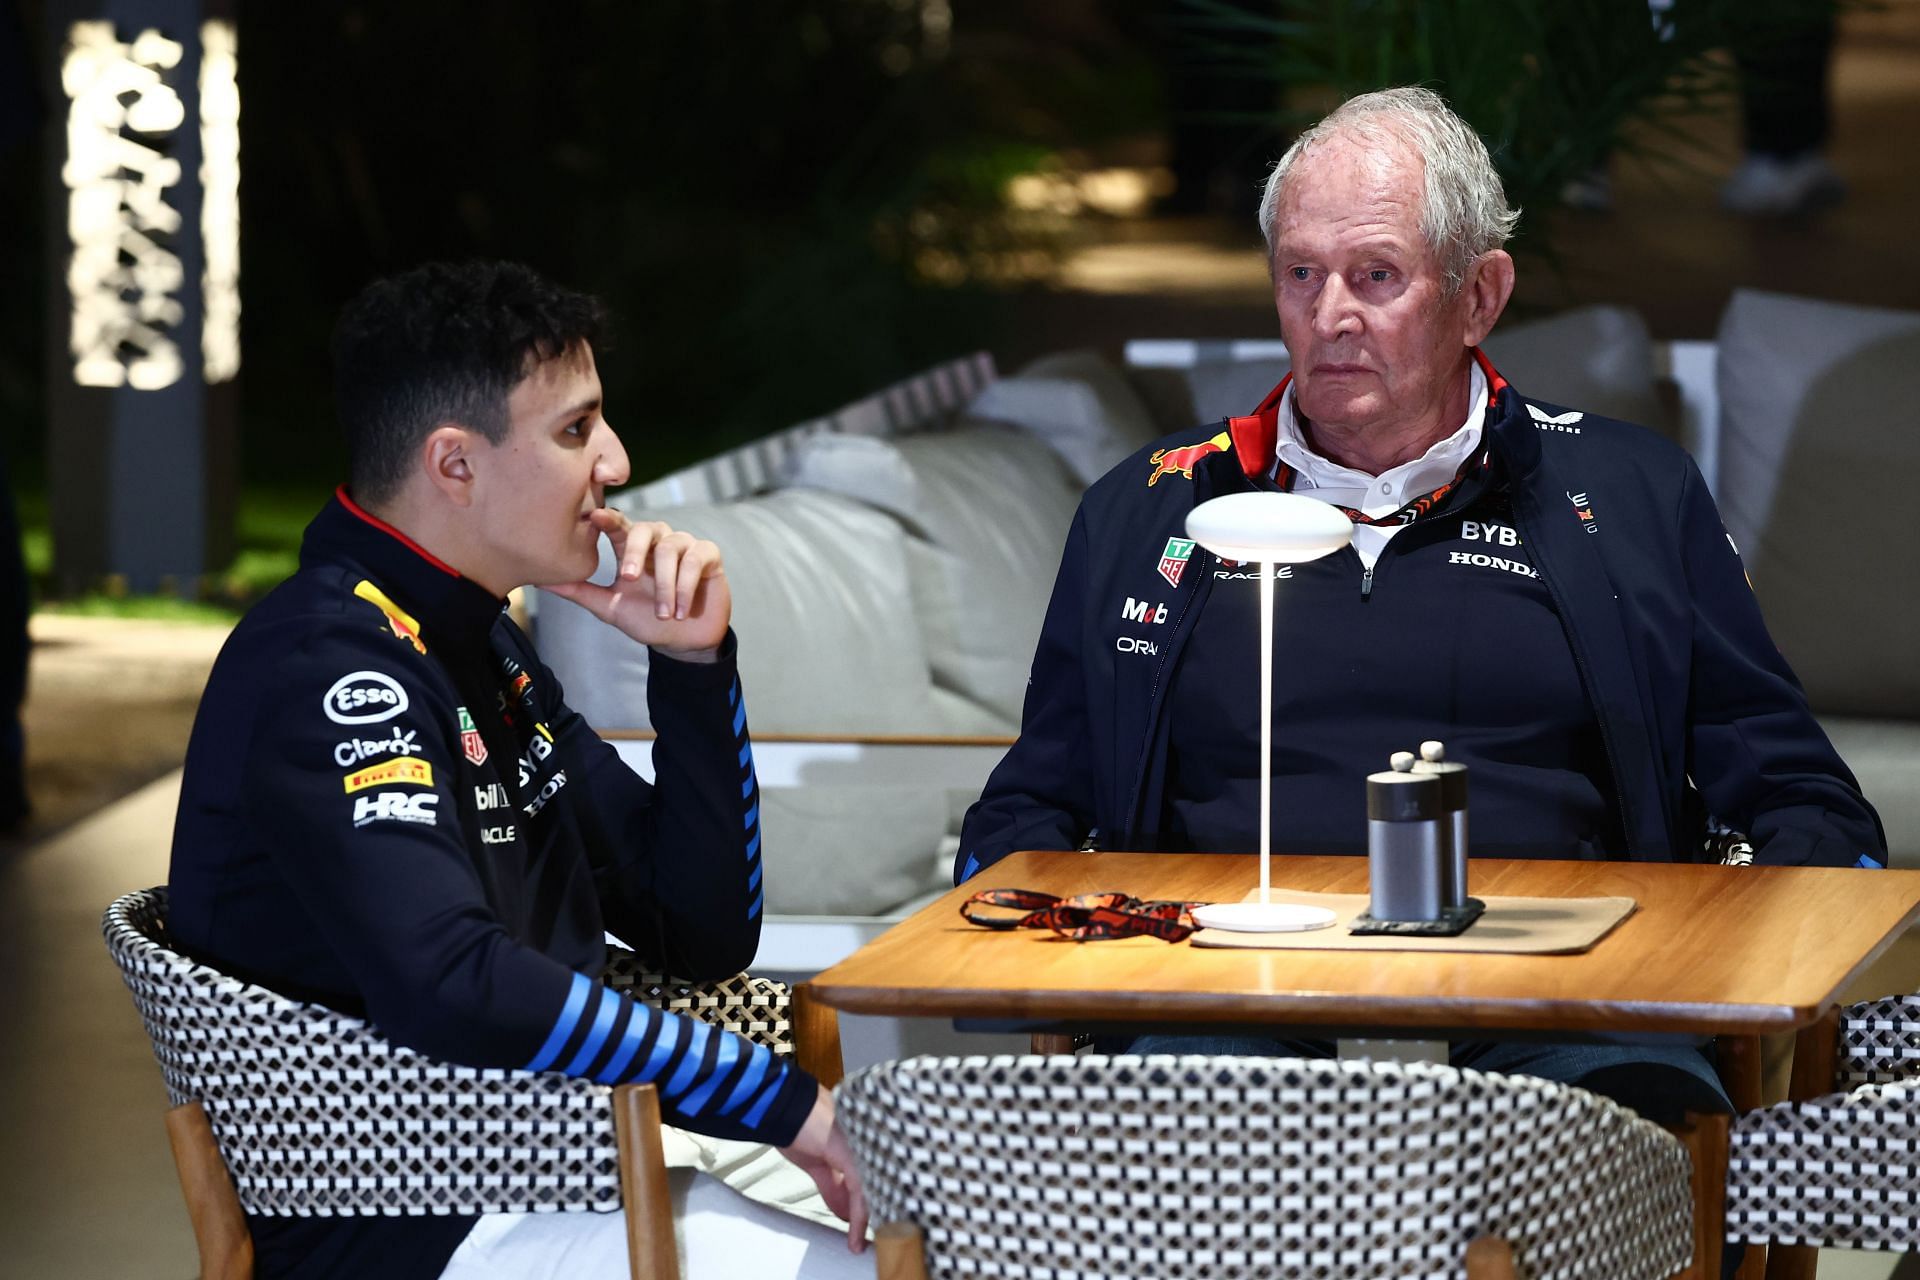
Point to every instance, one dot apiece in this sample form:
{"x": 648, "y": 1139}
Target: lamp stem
{"x": 1266, "y": 731}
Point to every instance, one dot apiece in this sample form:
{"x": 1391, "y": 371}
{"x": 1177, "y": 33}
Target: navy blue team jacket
{"x": 1672, "y": 654}
{"x": 388, "y": 808}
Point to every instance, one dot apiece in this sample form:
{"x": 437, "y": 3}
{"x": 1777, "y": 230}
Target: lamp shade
{"x": 1268, "y": 528}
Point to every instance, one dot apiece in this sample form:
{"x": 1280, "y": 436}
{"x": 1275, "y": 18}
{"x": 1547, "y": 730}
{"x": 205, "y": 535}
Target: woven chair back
{"x": 1880, "y": 1041}
{"x": 1839, "y": 1172}
{"x": 1211, "y": 1168}
{"x": 316, "y": 1113}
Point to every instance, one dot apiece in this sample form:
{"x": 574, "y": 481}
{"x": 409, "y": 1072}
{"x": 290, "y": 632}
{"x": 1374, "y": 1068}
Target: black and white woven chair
{"x": 1216, "y": 1168}
{"x": 1843, "y": 1170}
{"x": 280, "y": 1107}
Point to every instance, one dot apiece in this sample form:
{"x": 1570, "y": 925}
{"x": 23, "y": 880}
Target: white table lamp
{"x": 1266, "y": 529}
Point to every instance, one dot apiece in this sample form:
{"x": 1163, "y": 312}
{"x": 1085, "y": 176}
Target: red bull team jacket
{"x": 389, "y": 808}
{"x": 1695, "y": 704}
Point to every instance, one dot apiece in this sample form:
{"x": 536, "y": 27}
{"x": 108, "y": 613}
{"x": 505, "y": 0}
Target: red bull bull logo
{"x": 405, "y": 625}
{"x": 1180, "y": 461}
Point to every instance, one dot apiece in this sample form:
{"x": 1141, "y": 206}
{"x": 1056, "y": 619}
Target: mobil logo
{"x": 1141, "y": 611}
{"x": 364, "y": 697}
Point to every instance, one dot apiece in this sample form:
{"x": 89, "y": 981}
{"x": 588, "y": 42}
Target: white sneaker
{"x": 1775, "y": 187}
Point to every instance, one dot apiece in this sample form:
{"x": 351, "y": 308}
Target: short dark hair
{"x": 444, "y": 342}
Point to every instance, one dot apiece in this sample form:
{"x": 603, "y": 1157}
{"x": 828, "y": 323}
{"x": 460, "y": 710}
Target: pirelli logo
{"x": 416, "y": 772}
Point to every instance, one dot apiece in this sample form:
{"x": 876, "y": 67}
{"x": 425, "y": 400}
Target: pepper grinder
{"x": 1433, "y": 762}
{"x": 1405, "y": 852}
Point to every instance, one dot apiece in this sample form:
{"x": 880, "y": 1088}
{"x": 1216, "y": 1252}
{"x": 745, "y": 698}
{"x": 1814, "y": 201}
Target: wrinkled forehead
{"x": 1373, "y": 156}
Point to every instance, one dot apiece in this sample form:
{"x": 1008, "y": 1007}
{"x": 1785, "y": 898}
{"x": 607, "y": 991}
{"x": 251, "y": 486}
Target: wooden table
{"x": 1735, "y": 952}
{"x": 1732, "y": 952}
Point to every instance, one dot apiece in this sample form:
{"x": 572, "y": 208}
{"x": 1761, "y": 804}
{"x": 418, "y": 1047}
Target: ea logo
{"x": 364, "y": 697}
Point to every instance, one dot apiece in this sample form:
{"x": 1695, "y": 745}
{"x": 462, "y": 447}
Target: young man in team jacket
{"x": 388, "y": 807}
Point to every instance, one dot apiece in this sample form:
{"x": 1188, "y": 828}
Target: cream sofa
{"x": 890, "y": 564}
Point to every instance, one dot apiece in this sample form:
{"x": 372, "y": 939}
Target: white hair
{"x": 1465, "y": 211}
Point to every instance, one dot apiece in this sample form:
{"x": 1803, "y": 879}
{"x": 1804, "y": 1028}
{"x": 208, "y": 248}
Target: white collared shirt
{"x": 1316, "y": 477}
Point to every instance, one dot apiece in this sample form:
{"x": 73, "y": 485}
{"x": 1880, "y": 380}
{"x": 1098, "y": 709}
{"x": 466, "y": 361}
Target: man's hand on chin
{"x": 669, "y": 592}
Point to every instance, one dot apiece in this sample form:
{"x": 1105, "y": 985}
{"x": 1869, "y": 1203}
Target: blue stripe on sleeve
{"x": 1868, "y": 860}
{"x": 759, "y": 1110}
{"x": 753, "y": 880}
{"x": 753, "y": 816}
{"x": 753, "y": 908}
{"x": 639, "y": 1019}
{"x": 753, "y": 847}
{"x": 563, "y": 1025}
{"x": 733, "y": 695}
{"x": 725, "y": 1055}
{"x": 602, "y": 1025}
{"x": 973, "y": 865}
{"x": 746, "y": 756}
{"x": 690, "y": 1063}
{"x": 746, "y": 786}
{"x": 663, "y": 1046}
{"x": 757, "y": 1063}
{"x": 739, "y": 721}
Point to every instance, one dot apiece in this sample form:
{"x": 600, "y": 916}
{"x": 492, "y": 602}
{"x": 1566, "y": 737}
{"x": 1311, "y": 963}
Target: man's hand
{"x": 821, "y": 1150}
{"x": 669, "y": 591}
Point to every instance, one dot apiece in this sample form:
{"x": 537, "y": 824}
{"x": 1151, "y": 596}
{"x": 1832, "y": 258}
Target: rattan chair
{"x": 1216, "y": 1168}
{"x": 1843, "y": 1170}
{"x": 280, "y": 1107}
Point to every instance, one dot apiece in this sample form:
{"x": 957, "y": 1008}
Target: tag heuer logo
{"x": 471, "y": 745}
{"x": 1173, "y": 561}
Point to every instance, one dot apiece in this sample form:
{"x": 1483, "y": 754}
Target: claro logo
{"x": 364, "y": 697}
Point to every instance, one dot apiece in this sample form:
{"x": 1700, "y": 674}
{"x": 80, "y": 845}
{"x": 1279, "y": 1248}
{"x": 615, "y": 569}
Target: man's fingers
{"x": 667, "y": 555}
{"x": 701, "y": 562}
{"x": 857, "y": 1219}
{"x": 634, "y": 542}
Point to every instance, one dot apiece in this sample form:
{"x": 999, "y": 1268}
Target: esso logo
{"x": 364, "y": 697}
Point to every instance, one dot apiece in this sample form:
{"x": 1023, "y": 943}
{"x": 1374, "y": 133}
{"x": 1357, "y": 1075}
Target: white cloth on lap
{"x": 720, "y": 1234}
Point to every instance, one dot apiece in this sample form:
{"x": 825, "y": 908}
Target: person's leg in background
{"x": 1785, "y": 59}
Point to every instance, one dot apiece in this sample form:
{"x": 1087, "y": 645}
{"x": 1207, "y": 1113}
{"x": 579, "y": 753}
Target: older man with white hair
{"x": 1550, "y": 593}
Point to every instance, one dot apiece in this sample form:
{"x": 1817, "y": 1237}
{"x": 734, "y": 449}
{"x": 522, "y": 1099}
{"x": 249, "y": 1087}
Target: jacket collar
{"x": 418, "y": 592}
{"x": 1256, "y": 436}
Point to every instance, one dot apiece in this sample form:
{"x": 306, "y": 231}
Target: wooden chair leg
{"x": 816, "y": 1038}
{"x": 219, "y": 1225}
{"x": 1052, "y": 1045}
{"x": 899, "y": 1252}
{"x": 1490, "y": 1258}
{"x": 643, "y": 1184}
{"x": 1705, "y": 1137}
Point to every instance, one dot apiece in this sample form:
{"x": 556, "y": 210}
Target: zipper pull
{"x": 1366, "y": 585}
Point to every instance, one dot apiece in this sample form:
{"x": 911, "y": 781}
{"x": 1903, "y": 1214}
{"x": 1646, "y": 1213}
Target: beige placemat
{"x": 1518, "y": 926}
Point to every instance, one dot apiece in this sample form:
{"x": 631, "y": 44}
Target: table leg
{"x": 1739, "y": 1063}
{"x": 1052, "y": 1045}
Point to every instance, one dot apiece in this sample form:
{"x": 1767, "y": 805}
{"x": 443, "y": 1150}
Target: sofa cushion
{"x": 1078, "y": 404}
{"x": 1883, "y": 755}
{"x": 827, "y": 645}
{"x": 987, "y": 509}
{"x": 1595, "y": 359}
{"x": 818, "y": 587}
{"x": 1816, "y": 460}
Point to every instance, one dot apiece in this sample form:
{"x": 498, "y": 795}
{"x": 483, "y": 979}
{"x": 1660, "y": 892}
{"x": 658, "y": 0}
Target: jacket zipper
{"x": 1366, "y": 585}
